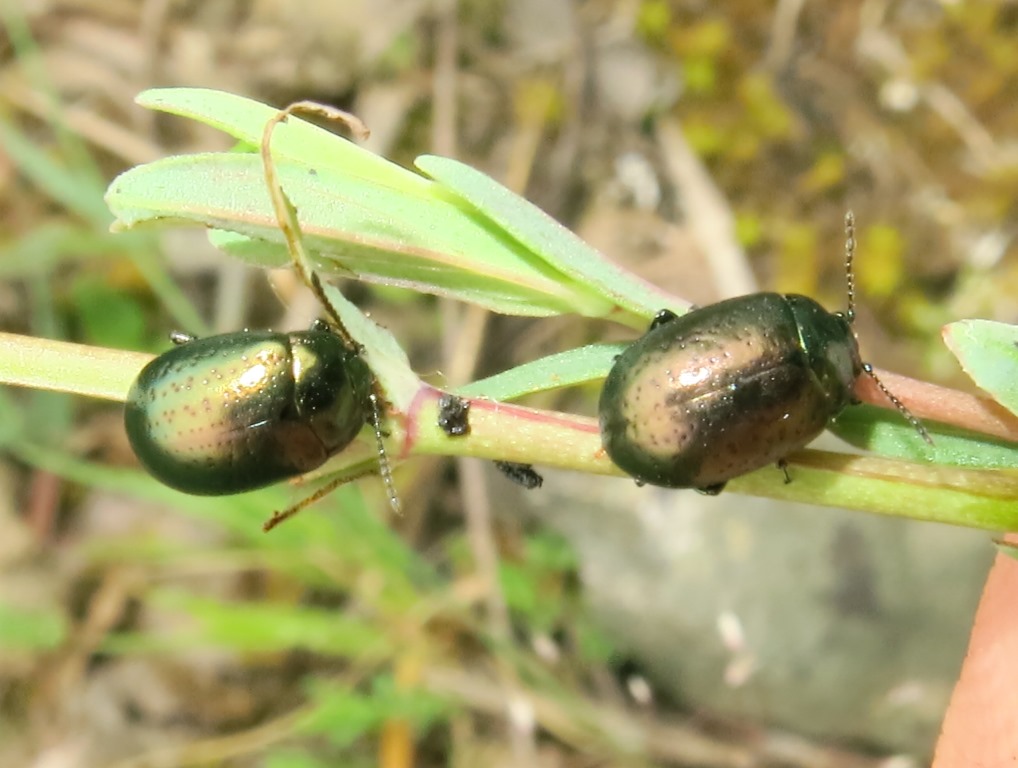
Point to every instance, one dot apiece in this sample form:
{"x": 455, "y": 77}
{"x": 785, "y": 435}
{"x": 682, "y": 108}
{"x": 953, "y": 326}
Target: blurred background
{"x": 711, "y": 148}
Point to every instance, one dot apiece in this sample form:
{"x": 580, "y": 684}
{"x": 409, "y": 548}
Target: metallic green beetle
{"x": 239, "y": 411}
{"x": 726, "y": 389}
{"x": 732, "y": 387}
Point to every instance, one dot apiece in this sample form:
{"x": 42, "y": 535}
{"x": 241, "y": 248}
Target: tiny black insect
{"x": 453, "y": 415}
{"x": 521, "y": 474}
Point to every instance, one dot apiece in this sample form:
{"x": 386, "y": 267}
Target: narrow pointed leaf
{"x": 558, "y": 371}
{"x": 636, "y": 300}
{"x": 355, "y": 228}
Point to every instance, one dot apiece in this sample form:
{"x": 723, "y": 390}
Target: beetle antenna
{"x": 850, "y": 315}
{"x": 849, "y": 258}
{"x": 384, "y": 468}
{"x": 902, "y": 408}
{"x": 329, "y": 487}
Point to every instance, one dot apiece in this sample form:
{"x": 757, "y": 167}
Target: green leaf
{"x": 593, "y": 643}
{"x": 74, "y": 187}
{"x": 296, "y": 758}
{"x": 462, "y": 235}
{"x": 550, "y": 552}
{"x": 526, "y": 592}
{"x": 564, "y": 369}
{"x": 61, "y": 366}
{"x": 267, "y": 627}
{"x": 988, "y": 352}
{"x": 296, "y": 139}
{"x": 552, "y": 242}
{"x": 382, "y": 352}
{"x": 30, "y": 630}
{"x": 356, "y": 227}
{"x": 109, "y": 317}
{"x": 344, "y": 715}
{"x": 886, "y": 433}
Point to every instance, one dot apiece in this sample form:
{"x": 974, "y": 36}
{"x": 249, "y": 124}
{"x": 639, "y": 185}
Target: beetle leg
{"x": 662, "y": 317}
{"x": 325, "y": 490}
{"x": 711, "y": 490}
{"x": 783, "y": 466}
{"x": 179, "y": 337}
{"x": 665, "y": 316}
